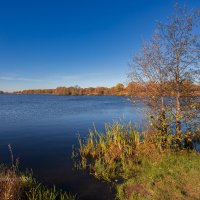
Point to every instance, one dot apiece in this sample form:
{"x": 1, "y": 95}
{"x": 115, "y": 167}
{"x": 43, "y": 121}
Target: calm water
{"x": 42, "y": 129}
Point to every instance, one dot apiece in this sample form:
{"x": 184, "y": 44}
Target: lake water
{"x": 42, "y": 129}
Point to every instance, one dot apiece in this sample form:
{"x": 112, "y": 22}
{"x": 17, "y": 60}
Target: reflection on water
{"x": 42, "y": 129}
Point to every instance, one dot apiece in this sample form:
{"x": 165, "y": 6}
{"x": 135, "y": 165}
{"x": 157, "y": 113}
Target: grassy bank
{"x": 175, "y": 176}
{"x": 143, "y": 166}
{"x": 15, "y": 185}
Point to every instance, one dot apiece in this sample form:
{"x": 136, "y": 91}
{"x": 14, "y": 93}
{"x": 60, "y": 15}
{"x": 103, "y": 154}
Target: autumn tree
{"x": 119, "y": 89}
{"x": 167, "y": 62}
{"x": 182, "y": 45}
{"x": 135, "y": 89}
{"x": 149, "y": 70}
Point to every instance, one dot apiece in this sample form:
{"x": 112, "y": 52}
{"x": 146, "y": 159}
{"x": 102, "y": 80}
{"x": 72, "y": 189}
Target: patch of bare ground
{"x": 136, "y": 189}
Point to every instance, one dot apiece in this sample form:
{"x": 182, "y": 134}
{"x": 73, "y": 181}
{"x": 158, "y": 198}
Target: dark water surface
{"x": 42, "y": 129}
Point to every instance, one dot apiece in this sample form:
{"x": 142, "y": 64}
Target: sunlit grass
{"x": 108, "y": 155}
{"x": 175, "y": 176}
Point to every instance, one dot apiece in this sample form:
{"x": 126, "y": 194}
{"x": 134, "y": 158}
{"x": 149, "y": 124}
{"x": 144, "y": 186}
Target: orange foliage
{"x": 132, "y": 89}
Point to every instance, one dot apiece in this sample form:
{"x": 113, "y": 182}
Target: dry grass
{"x": 15, "y": 185}
{"x": 10, "y": 184}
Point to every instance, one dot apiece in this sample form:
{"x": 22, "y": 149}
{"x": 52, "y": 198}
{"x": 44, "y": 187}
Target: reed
{"x": 108, "y": 155}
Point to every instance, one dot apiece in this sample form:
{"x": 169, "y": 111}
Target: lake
{"x": 43, "y": 128}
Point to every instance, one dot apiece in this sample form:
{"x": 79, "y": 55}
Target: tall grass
{"x": 108, "y": 155}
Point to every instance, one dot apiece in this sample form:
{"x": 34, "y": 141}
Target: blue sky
{"x": 45, "y": 44}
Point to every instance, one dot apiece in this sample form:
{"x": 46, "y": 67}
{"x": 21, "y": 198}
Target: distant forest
{"x": 132, "y": 89}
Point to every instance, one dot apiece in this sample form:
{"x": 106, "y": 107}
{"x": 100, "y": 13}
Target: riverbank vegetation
{"x": 15, "y": 185}
{"x": 142, "y": 165}
{"x": 160, "y": 162}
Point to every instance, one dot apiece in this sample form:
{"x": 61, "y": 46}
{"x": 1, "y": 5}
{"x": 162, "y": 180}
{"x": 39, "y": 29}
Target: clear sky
{"x": 45, "y": 44}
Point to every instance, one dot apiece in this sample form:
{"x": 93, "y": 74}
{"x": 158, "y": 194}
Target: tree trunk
{"x": 164, "y": 125}
{"x": 178, "y": 113}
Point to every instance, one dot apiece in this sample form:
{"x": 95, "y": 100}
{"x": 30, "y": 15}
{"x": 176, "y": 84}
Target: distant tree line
{"x": 118, "y": 90}
{"x": 132, "y": 89}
